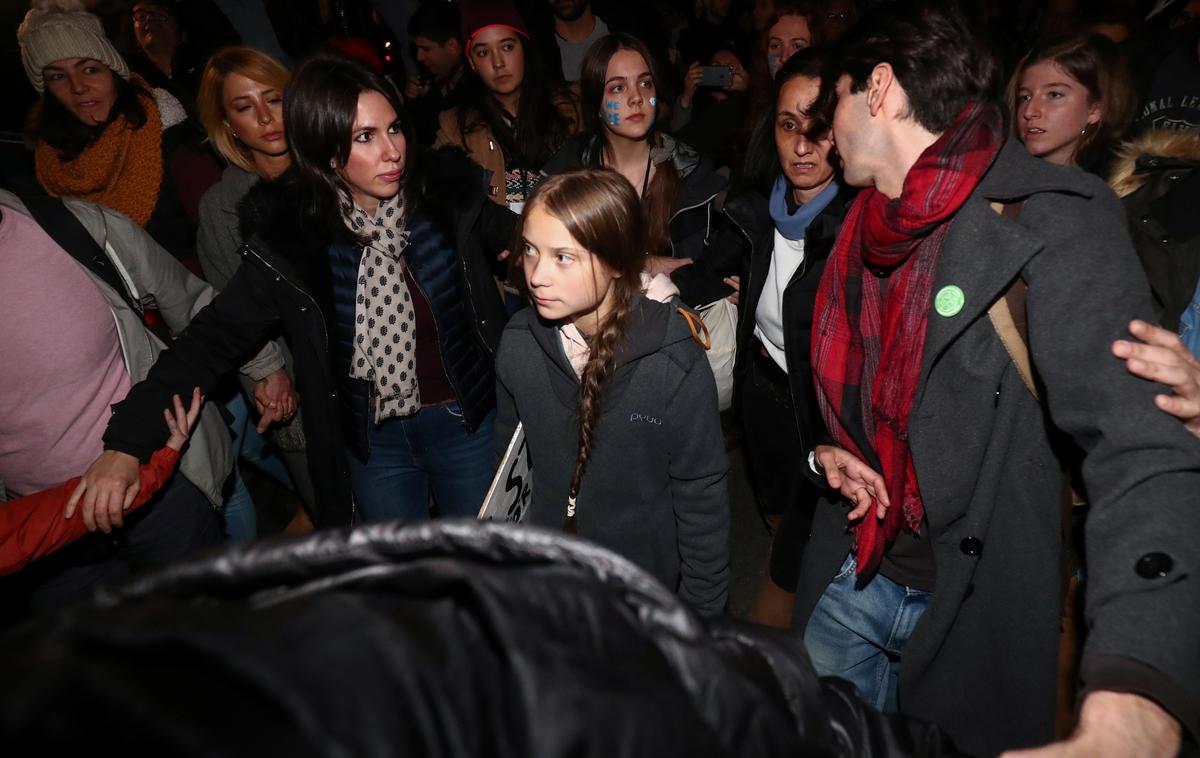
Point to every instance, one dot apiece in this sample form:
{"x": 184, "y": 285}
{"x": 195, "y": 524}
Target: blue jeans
{"x": 859, "y": 633}
{"x": 430, "y": 452}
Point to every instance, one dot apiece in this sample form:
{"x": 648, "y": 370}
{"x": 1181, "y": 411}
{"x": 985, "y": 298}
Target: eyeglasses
{"x": 141, "y": 17}
{"x": 843, "y": 16}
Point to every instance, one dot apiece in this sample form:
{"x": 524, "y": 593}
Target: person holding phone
{"x": 713, "y": 106}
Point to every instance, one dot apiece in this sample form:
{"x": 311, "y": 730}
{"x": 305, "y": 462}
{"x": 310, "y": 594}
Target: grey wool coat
{"x": 982, "y": 659}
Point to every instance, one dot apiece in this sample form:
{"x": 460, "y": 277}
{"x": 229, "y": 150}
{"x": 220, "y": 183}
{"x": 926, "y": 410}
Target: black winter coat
{"x": 743, "y": 247}
{"x": 437, "y": 639}
{"x": 284, "y": 284}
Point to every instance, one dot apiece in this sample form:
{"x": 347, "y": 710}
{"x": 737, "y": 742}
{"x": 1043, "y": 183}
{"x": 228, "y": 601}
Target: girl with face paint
{"x": 619, "y": 97}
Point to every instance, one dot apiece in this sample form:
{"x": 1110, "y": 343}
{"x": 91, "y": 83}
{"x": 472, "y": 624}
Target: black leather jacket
{"x": 436, "y": 639}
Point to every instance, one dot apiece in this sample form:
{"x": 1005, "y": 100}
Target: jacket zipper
{"x": 307, "y": 296}
{"x": 700, "y": 204}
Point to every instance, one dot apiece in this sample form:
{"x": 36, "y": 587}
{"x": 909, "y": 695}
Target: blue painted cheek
{"x": 612, "y": 115}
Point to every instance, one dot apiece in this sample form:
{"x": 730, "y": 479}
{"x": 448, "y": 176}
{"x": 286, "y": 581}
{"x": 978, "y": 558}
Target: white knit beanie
{"x": 57, "y": 29}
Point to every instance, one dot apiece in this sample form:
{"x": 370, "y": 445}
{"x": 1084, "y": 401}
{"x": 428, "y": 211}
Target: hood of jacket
{"x": 1155, "y": 150}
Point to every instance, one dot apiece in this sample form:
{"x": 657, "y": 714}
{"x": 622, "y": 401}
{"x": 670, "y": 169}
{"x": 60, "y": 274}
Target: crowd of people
{"x": 959, "y": 244}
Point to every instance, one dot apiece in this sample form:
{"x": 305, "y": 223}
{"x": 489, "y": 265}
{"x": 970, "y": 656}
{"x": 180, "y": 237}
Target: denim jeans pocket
{"x": 453, "y": 409}
{"x": 848, "y": 567}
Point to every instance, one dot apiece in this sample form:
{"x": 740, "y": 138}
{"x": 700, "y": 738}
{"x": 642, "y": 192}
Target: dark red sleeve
{"x": 33, "y": 526}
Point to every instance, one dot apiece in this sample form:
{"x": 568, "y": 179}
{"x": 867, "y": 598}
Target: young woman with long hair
{"x": 512, "y": 116}
{"x": 619, "y": 92}
{"x": 1072, "y": 101}
{"x": 618, "y": 403}
{"x": 373, "y": 261}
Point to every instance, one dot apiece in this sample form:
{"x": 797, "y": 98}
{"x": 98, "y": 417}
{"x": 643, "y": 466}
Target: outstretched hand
{"x": 1161, "y": 357}
{"x": 181, "y": 422}
{"x": 858, "y": 482}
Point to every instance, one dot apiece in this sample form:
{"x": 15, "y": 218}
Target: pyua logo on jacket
{"x": 636, "y": 417}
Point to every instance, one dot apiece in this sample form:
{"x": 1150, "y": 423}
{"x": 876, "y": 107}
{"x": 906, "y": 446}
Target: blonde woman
{"x": 240, "y": 103}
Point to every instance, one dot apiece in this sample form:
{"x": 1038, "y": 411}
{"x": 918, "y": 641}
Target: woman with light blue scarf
{"x": 784, "y": 214}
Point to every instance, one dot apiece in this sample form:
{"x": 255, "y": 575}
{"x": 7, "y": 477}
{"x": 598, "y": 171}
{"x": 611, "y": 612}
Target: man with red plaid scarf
{"x": 932, "y": 578}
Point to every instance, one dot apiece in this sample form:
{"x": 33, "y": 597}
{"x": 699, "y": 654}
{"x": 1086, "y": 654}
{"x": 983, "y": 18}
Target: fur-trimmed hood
{"x": 1137, "y": 157}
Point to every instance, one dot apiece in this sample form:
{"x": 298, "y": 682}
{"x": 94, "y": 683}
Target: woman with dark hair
{"x": 675, "y": 184}
{"x": 512, "y": 116}
{"x": 369, "y": 255}
{"x": 785, "y": 208}
{"x": 102, "y": 134}
{"x": 1072, "y": 101}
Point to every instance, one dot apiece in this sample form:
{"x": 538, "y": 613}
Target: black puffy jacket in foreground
{"x": 438, "y": 639}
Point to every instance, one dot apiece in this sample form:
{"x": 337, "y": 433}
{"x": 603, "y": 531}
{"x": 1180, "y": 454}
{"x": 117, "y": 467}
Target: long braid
{"x": 600, "y": 209}
{"x": 596, "y": 375}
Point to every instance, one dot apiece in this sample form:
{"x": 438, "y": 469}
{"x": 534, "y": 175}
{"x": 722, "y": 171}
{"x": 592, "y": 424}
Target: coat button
{"x": 971, "y": 546}
{"x": 1165, "y": 239}
{"x": 304, "y": 309}
{"x": 1154, "y": 565}
{"x": 279, "y": 278}
{"x": 1145, "y": 219}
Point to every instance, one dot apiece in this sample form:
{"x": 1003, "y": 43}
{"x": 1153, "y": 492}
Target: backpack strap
{"x": 65, "y": 229}
{"x": 1009, "y": 317}
{"x": 696, "y": 324}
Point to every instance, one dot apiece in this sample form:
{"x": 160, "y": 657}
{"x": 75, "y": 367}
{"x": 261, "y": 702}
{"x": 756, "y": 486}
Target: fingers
{"x": 130, "y": 496}
{"x": 1154, "y": 335}
{"x": 193, "y": 411}
{"x": 862, "y": 504}
{"x": 73, "y": 502}
{"x": 101, "y": 512}
{"x": 833, "y": 477}
{"x": 270, "y": 416}
{"x": 89, "y": 509}
{"x": 1172, "y": 375}
{"x": 1179, "y": 407}
{"x": 503, "y": 256}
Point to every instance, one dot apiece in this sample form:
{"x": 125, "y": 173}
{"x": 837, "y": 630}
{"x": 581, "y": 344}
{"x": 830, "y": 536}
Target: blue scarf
{"x": 793, "y": 225}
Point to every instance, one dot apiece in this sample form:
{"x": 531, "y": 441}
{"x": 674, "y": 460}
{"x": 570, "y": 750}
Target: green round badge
{"x": 949, "y": 300}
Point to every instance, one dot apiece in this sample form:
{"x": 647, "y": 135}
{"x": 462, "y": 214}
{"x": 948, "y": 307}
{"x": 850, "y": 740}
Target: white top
{"x": 768, "y": 316}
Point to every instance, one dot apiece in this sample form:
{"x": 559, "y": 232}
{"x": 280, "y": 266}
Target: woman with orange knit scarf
{"x": 102, "y": 134}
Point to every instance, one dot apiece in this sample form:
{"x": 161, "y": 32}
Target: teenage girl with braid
{"x": 618, "y": 403}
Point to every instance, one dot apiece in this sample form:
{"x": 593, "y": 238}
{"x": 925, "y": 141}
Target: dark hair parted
{"x": 1096, "y": 62}
{"x": 935, "y": 53}
{"x": 537, "y": 130}
{"x": 51, "y": 122}
{"x": 761, "y": 165}
{"x": 658, "y": 202}
{"x": 319, "y": 108}
{"x": 600, "y": 209}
